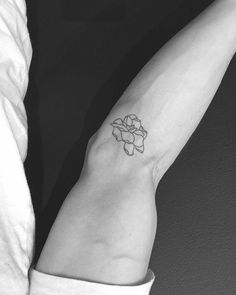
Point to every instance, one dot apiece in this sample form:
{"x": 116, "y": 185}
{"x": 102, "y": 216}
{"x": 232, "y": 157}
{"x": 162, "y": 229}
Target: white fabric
{"x": 17, "y": 220}
{"x": 17, "y": 223}
{"x": 43, "y": 284}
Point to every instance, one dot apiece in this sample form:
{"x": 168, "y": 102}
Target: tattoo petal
{"x": 140, "y": 148}
{"x": 139, "y": 132}
{"x": 138, "y": 140}
{"x": 132, "y": 129}
{"x": 117, "y": 133}
{"x": 118, "y": 121}
{"x": 120, "y": 127}
{"x": 132, "y": 116}
{"x": 129, "y": 148}
{"x": 127, "y": 137}
{"x": 136, "y": 123}
{"x": 144, "y": 132}
{"x": 128, "y": 121}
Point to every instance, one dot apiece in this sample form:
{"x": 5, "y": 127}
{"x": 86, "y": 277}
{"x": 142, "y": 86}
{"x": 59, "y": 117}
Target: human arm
{"x": 105, "y": 229}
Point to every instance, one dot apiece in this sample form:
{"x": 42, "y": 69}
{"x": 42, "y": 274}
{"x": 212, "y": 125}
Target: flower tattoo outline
{"x": 131, "y": 132}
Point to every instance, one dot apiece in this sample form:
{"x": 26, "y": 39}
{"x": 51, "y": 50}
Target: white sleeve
{"x": 17, "y": 221}
{"x": 45, "y": 284}
{"x": 15, "y": 58}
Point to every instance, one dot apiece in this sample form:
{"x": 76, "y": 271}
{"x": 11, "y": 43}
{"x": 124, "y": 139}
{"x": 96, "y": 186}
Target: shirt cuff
{"x": 45, "y": 284}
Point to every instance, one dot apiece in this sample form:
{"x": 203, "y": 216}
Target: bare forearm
{"x": 172, "y": 92}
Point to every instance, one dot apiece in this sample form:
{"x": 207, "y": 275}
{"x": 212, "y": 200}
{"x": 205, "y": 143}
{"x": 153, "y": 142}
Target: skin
{"x": 106, "y": 227}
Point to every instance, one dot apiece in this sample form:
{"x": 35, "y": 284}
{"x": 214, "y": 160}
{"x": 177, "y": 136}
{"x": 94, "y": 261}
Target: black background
{"x": 85, "y": 53}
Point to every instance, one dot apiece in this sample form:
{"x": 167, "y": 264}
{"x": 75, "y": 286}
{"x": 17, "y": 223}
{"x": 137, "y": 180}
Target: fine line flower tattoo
{"x": 131, "y": 132}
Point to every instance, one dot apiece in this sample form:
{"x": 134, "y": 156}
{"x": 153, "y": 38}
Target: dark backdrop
{"x": 85, "y": 55}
